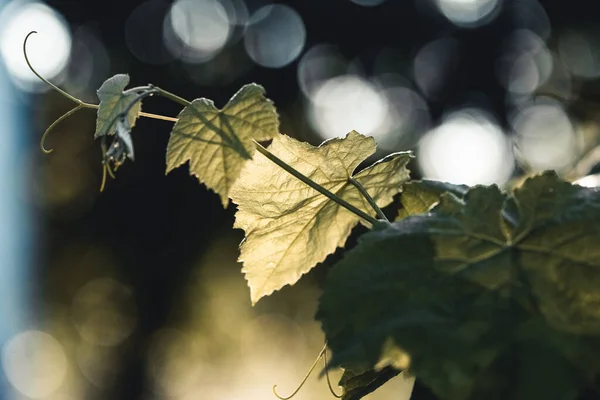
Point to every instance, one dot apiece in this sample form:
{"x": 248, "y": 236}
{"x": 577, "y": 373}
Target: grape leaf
{"x": 216, "y": 142}
{"x": 453, "y": 288}
{"x": 113, "y": 101}
{"x": 291, "y": 227}
{"x": 419, "y": 196}
{"x": 557, "y": 233}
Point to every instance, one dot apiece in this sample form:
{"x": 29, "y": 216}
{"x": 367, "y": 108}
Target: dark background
{"x": 156, "y": 227}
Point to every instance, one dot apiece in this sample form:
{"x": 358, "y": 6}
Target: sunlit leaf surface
{"x": 114, "y": 102}
{"x": 419, "y": 196}
{"x": 289, "y": 226}
{"x": 216, "y": 142}
{"x": 490, "y": 293}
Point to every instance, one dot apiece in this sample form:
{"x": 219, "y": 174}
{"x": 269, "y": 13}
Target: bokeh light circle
{"x": 275, "y": 36}
{"x": 175, "y": 362}
{"x": 89, "y": 64}
{"x": 545, "y": 136}
{"x": 49, "y": 50}
{"x": 104, "y": 312}
{"x": 434, "y": 64}
{"x": 34, "y": 363}
{"x": 320, "y": 63}
{"x": 347, "y": 103}
{"x": 368, "y": 3}
{"x": 467, "y": 148}
{"x": 406, "y": 118}
{"x": 143, "y": 33}
{"x": 530, "y": 15}
{"x": 580, "y": 53}
{"x": 526, "y": 63}
{"x": 468, "y": 13}
{"x": 98, "y": 364}
{"x": 202, "y": 28}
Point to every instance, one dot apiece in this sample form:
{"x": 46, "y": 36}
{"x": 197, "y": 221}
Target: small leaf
{"x": 113, "y": 102}
{"x": 455, "y": 289}
{"x": 217, "y": 143}
{"x": 419, "y": 196}
{"x": 291, "y": 227}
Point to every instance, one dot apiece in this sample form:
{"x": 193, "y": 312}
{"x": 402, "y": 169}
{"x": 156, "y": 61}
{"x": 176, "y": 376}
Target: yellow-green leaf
{"x": 216, "y": 142}
{"x": 419, "y": 196}
{"x": 291, "y": 227}
{"x": 113, "y": 101}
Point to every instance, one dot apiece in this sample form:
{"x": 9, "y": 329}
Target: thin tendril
{"x": 61, "y": 118}
{"x": 46, "y": 81}
{"x": 338, "y": 396}
{"x": 104, "y": 168}
{"x": 110, "y": 171}
{"x": 105, "y": 165}
{"x": 303, "y": 380}
{"x": 106, "y": 171}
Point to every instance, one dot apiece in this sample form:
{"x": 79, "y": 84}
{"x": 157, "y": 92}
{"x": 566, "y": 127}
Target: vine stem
{"x": 155, "y": 89}
{"x": 56, "y": 122}
{"x": 291, "y": 170}
{"x": 369, "y": 199}
{"x": 81, "y": 104}
{"x": 171, "y": 96}
{"x": 142, "y": 114}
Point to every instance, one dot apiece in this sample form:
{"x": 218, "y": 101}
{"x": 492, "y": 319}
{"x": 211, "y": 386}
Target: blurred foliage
{"x": 491, "y": 296}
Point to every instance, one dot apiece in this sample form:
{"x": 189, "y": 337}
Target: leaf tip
{"x": 224, "y": 200}
{"x": 257, "y": 293}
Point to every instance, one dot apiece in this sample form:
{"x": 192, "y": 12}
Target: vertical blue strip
{"x": 15, "y": 229}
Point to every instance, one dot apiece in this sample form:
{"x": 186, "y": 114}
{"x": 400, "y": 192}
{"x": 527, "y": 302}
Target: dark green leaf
{"x": 455, "y": 287}
{"x": 358, "y": 385}
{"x": 558, "y": 236}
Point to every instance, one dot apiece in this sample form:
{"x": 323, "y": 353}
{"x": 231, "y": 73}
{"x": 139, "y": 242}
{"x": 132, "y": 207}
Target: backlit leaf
{"x": 457, "y": 288}
{"x": 419, "y": 196}
{"x": 289, "y": 226}
{"x": 216, "y": 142}
{"x": 113, "y": 101}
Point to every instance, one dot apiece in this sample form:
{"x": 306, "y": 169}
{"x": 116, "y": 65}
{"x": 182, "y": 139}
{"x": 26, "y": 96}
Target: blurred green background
{"x": 135, "y": 292}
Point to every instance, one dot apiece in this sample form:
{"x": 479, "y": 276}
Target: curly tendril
{"x": 80, "y": 104}
{"x": 323, "y": 355}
